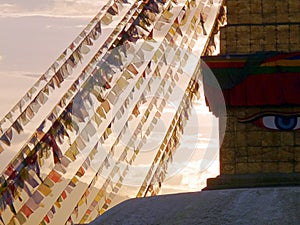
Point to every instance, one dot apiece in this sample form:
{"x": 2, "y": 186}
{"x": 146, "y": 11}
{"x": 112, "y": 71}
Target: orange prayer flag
{"x": 108, "y": 201}
{"x": 136, "y": 111}
{"x": 80, "y": 172}
{"x": 55, "y": 176}
{"x": 106, "y": 106}
{"x": 132, "y": 69}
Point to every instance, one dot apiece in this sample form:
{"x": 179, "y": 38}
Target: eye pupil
{"x": 286, "y": 122}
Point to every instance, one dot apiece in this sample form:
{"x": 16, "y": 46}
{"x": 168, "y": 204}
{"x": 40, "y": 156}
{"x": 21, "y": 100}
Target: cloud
{"x": 51, "y": 8}
{"x": 192, "y": 178}
{"x": 33, "y": 5}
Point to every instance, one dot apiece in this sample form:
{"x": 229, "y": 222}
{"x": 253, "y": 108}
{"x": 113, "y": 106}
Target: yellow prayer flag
{"x": 122, "y": 83}
{"x": 172, "y": 31}
{"x": 138, "y": 85}
{"x": 84, "y": 49}
{"x": 57, "y": 204}
{"x": 147, "y": 46}
{"x": 74, "y": 149}
{"x": 42, "y": 98}
{"x": 194, "y": 20}
{"x": 141, "y": 55}
{"x": 45, "y": 190}
{"x": 127, "y": 75}
{"x": 111, "y": 97}
{"x": 158, "y": 53}
{"x": 48, "y": 182}
{"x": 100, "y": 112}
{"x": 167, "y": 15}
{"x": 21, "y": 218}
{"x": 102, "y": 211}
{"x": 84, "y": 135}
{"x": 106, "y": 19}
{"x": 80, "y": 144}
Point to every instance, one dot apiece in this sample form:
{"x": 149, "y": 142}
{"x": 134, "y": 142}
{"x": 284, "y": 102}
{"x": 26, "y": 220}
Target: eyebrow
{"x": 266, "y": 113}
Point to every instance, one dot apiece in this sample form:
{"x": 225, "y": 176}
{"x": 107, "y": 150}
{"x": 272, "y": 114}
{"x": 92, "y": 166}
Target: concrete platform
{"x": 271, "y": 205}
{"x": 229, "y": 181}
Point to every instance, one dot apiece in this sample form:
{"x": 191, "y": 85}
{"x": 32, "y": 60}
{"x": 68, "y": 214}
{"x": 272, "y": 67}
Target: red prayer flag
{"x": 26, "y": 210}
{"x": 46, "y": 219}
{"x": 64, "y": 195}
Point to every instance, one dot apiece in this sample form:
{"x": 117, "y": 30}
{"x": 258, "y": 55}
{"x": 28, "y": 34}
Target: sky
{"x": 34, "y": 33}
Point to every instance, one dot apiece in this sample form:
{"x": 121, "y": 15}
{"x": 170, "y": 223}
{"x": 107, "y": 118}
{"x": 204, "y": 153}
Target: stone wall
{"x": 248, "y": 149}
{"x": 261, "y": 25}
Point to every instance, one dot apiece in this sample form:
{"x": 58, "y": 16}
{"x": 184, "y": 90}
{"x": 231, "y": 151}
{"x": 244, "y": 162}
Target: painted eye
{"x": 278, "y": 122}
{"x": 275, "y": 121}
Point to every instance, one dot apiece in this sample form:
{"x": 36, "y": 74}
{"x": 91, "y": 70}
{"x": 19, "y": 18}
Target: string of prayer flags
{"x": 69, "y": 129}
{"x": 114, "y": 171}
{"x": 58, "y": 79}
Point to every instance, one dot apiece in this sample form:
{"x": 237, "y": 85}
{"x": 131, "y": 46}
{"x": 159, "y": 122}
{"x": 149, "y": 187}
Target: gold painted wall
{"x": 261, "y": 25}
{"x": 248, "y": 148}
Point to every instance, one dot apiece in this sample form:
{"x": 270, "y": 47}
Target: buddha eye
{"x": 286, "y": 123}
{"x": 275, "y": 121}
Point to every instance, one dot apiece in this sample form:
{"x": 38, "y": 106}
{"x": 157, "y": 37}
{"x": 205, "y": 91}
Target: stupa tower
{"x": 259, "y": 73}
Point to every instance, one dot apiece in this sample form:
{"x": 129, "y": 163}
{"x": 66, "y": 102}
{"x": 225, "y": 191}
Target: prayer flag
{"x": 26, "y": 210}
{"x": 44, "y": 189}
{"x": 55, "y": 176}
